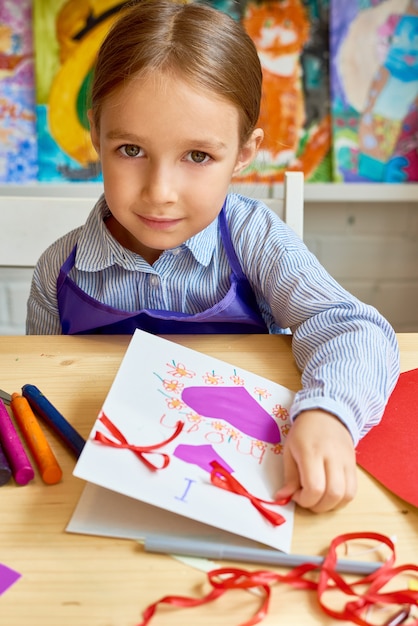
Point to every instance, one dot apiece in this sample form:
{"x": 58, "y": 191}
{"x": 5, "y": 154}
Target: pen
{"x": 20, "y": 465}
{"x": 6, "y": 397}
{"x": 43, "y": 407}
{"x": 187, "y": 546}
{"x": 44, "y": 457}
{"x": 5, "y": 471}
{"x": 398, "y": 618}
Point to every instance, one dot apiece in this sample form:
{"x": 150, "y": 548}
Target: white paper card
{"x": 229, "y": 415}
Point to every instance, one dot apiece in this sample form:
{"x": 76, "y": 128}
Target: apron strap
{"x": 229, "y": 248}
{"x": 66, "y": 268}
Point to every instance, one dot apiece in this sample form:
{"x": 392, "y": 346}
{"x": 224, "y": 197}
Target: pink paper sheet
{"x": 7, "y": 577}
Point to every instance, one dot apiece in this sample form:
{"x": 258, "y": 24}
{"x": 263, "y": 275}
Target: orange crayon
{"x": 44, "y": 457}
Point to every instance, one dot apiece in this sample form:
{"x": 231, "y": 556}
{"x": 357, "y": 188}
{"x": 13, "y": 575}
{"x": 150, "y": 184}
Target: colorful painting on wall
{"x": 291, "y": 37}
{"x": 373, "y": 96}
{"x": 18, "y": 148}
{"x": 67, "y": 36}
{"x": 374, "y": 90}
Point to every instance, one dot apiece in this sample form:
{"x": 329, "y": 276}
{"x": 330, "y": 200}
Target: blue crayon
{"x": 39, "y": 403}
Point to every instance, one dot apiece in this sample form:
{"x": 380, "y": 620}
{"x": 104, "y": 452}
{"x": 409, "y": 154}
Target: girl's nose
{"x": 159, "y": 185}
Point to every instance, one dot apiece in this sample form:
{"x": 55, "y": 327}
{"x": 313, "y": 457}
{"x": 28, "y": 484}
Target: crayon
{"x": 5, "y": 471}
{"x": 43, "y": 407}
{"x": 38, "y": 445}
{"x": 18, "y": 460}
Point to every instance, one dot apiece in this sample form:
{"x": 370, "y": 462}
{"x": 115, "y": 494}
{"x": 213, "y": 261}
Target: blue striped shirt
{"x": 346, "y": 350}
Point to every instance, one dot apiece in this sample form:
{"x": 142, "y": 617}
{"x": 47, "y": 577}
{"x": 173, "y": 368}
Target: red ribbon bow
{"x": 140, "y": 451}
{"x": 220, "y": 477}
{"x": 360, "y": 595}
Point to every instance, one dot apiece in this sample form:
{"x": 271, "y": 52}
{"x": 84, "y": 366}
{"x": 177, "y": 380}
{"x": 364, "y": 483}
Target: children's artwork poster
{"x": 291, "y": 37}
{"x": 67, "y": 35}
{"x": 195, "y": 436}
{"x": 340, "y": 88}
{"x": 374, "y": 90}
{"x": 18, "y": 146}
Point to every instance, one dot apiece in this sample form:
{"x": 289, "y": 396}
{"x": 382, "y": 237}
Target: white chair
{"x": 293, "y": 207}
{"x": 31, "y": 218}
{"x": 287, "y": 199}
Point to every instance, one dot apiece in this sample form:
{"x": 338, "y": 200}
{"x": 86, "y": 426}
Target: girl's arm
{"x": 42, "y": 310}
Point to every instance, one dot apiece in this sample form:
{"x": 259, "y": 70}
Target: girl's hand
{"x": 319, "y": 462}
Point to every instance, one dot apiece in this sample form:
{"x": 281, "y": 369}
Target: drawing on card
{"x": 213, "y": 425}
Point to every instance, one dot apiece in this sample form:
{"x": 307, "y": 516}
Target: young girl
{"x": 175, "y": 103}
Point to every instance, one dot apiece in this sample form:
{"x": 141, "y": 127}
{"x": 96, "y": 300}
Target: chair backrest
{"x": 287, "y": 199}
{"x": 35, "y": 221}
{"x": 294, "y": 202}
{"x": 30, "y": 223}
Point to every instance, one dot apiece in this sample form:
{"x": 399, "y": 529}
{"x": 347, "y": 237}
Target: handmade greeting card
{"x": 185, "y": 433}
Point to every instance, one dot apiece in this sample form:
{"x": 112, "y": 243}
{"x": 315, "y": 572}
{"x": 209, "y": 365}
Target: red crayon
{"x": 18, "y": 460}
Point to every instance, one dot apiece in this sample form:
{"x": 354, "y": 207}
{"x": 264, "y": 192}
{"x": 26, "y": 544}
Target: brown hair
{"x": 206, "y": 47}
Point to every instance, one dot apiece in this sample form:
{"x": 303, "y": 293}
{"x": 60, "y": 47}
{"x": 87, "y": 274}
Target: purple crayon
{"x": 18, "y": 460}
{"x": 5, "y": 471}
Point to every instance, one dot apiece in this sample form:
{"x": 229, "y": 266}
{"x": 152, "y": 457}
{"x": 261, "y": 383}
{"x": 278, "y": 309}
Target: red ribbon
{"x": 221, "y": 477}
{"x": 140, "y": 451}
{"x": 357, "y": 602}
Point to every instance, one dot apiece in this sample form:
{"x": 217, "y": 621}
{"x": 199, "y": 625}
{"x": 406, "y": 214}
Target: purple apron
{"x": 237, "y": 312}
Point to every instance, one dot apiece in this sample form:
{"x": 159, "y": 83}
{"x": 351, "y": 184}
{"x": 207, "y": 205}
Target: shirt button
{"x": 154, "y": 281}
{"x": 176, "y": 251}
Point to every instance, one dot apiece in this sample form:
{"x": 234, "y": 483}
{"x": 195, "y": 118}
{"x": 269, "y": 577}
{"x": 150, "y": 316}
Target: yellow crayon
{"x": 44, "y": 457}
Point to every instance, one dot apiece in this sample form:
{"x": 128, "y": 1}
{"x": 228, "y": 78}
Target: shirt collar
{"x": 97, "y": 249}
{"x": 203, "y": 244}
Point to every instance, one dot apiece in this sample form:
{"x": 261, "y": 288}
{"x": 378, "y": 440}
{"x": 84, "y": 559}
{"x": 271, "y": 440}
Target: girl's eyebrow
{"x": 212, "y": 144}
{"x": 197, "y": 143}
{"x": 122, "y": 135}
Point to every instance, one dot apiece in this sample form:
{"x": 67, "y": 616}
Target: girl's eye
{"x": 131, "y": 150}
{"x": 198, "y": 157}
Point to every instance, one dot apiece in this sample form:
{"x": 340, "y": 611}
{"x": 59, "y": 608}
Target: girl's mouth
{"x": 159, "y": 223}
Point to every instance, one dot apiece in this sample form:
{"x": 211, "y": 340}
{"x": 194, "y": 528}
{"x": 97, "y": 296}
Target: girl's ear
{"x": 93, "y": 132}
{"x": 249, "y": 150}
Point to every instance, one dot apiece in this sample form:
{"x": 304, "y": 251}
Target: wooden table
{"x": 77, "y": 580}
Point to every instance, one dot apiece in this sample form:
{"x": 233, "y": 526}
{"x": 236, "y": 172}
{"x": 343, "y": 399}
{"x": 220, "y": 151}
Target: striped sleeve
{"x": 346, "y": 350}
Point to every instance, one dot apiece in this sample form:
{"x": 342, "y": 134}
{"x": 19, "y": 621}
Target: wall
{"x": 371, "y": 248}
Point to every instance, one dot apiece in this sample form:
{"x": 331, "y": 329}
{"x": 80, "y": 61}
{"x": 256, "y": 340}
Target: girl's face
{"x": 168, "y": 152}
